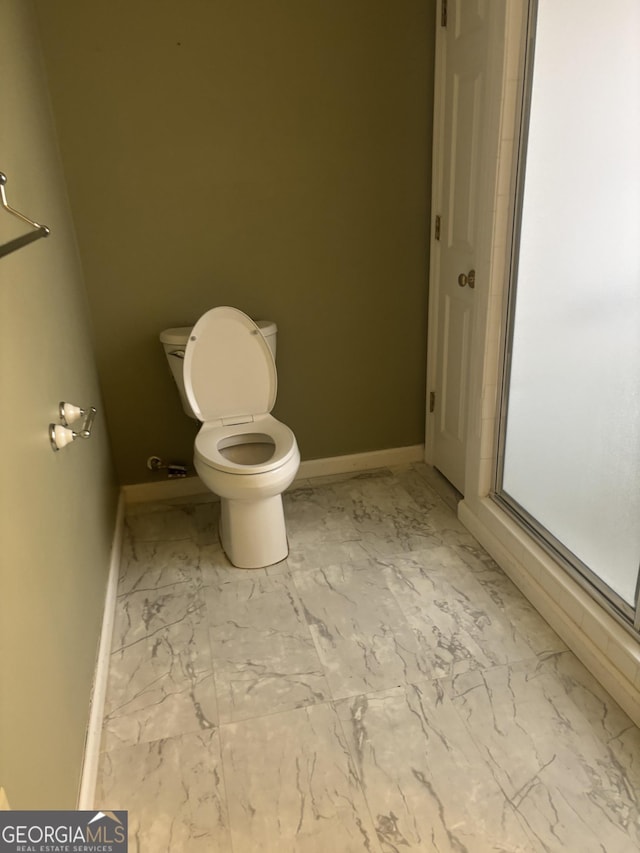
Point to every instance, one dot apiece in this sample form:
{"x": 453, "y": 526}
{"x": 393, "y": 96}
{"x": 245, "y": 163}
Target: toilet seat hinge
{"x": 238, "y": 419}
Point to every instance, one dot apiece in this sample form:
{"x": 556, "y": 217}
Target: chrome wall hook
{"x": 69, "y": 413}
{"x": 62, "y": 434}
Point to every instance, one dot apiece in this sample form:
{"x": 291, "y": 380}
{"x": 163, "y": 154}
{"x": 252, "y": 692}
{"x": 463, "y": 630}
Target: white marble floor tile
{"x": 362, "y": 636}
{"x": 439, "y": 484}
{"x": 522, "y": 616}
{"x": 319, "y": 555}
{"x": 449, "y": 531}
{"x": 216, "y": 571}
{"x": 173, "y": 790}
{"x": 374, "y": 515}
{"x": 316, "y": 516}
{"x": 151, "y": 565}
{"x": 161, "y": 521}
{"x": 414, "y": 482}
{"x": 386, "y": 517}
{"x": 396, "y": 620}
{"x": 564, "y": 754}
{"x": 425, "y": 781}
{"x": 457, "y": 624}
{"x": 473, "y": 554}
{"x": 373, "y": 510}
{"x": 161, "y": 676}
{"x": 292, "y": 786}
{"x": 165, "y": 521}
{"x": 384, "y": 688}
{"x": 205, "y": 518}
{"x": 348, "y": 476}
{"x": 264, "y": 657}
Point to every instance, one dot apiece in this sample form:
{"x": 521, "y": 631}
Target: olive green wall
{"x": 268, "y": 154}
{"x": 57, "y": 510}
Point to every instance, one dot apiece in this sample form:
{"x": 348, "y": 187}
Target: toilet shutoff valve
{"x": 173, "y": 469}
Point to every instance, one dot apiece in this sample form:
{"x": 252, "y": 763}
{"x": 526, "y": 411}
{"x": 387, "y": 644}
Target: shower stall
{"x": 569, "y": 447}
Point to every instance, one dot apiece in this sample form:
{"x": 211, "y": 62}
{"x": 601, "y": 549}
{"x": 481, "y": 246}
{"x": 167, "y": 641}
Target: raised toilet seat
{"x": 241, "y": 452}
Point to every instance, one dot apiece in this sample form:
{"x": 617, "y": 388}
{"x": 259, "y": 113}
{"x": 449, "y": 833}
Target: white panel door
{"x": 464, "y": 60}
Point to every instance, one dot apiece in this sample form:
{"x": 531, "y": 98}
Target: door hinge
{"x": 437, "y": 228}
{"x": 432, "y": 401}
{"x": 443, "y": 13}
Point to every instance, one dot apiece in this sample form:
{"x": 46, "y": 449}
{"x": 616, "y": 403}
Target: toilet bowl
{"x": 241, "y": 452}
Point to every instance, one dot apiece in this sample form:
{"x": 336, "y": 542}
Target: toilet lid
{"x": 229, "y": 371}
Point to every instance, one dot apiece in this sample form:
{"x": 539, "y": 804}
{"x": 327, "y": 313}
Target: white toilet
{"x": 242, "y": 453}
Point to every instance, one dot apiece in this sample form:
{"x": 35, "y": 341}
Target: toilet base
{"x": 253, "y": 533}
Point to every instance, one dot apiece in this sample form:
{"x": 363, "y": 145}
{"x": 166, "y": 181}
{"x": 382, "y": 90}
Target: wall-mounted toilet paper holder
{"x": 61, "y": 434}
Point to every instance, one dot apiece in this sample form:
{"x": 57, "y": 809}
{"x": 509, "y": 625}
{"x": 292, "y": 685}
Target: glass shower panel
{"x": 572, "y": 441}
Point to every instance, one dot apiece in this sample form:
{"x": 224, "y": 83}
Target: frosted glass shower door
{"x": 572, "y": 439}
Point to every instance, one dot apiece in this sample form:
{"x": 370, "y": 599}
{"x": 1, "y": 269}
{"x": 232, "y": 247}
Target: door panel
{"x": 466, "y": 96}
{"x": 469, "y": 16}
{"x": 464, "y": 91}
{"x": 456, "y": 335}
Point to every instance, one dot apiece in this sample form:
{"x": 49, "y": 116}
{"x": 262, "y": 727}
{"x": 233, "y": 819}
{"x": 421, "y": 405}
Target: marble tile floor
{"x": 386, "y": 688}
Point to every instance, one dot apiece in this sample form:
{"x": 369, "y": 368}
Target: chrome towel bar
{"x": 25, "y": 239}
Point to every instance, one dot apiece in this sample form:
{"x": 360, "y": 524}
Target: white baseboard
{"x": 91, "y": 761}
{"x": 163, "y": 490}
{"x": 312, "y": 468}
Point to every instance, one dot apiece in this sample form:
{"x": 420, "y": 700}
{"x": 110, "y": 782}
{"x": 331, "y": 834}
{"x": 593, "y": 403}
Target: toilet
{"x": 228, "y": 381}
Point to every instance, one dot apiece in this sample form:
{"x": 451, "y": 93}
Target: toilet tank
{"x": 269, "y": 332}
{"x": 175, "y": 340}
